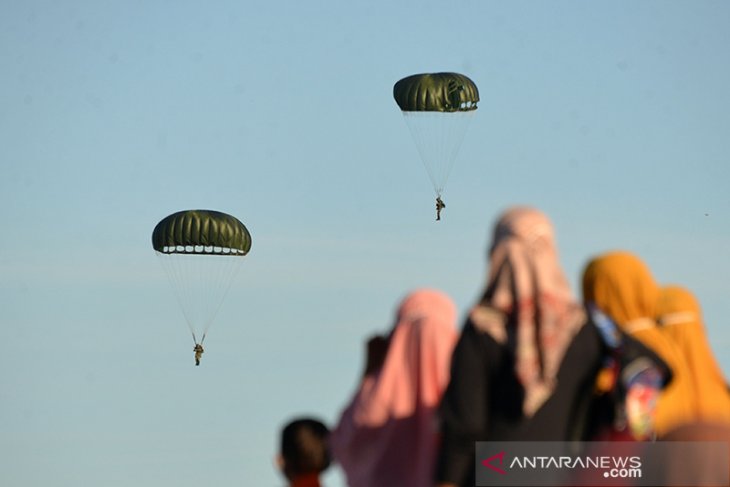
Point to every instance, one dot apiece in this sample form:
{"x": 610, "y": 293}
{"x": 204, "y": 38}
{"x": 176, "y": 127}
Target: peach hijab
{"x": 680, "y": 319}
{"x": 622, "y": 286}
{"x": 528, "y": 303}
{"x": 388, "y": 434}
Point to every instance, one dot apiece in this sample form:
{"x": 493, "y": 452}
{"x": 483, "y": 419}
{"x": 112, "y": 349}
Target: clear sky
{"x": 612, "y": 117}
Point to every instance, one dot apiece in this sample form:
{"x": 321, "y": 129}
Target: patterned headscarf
{"x": 528, "y": 304}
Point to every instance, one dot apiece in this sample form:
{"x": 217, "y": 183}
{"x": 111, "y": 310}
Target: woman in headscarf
{"x": 388, "y": 435}
{"x": 680, "y": 319}
{"x": 525, "y": 356}
{"x": 620, "y": 285}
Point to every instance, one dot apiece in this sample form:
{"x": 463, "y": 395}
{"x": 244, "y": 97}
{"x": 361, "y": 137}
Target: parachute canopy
{"x": 436, "y": 92}
{"x": 438, "y": 108}
{"x": 201, "y": 232}
{"x": 200, "y": 251}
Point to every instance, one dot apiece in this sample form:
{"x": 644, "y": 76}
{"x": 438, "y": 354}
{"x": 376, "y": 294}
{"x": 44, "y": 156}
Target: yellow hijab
{"x": 622, "y": 286}
{"x": 680, "y": 318}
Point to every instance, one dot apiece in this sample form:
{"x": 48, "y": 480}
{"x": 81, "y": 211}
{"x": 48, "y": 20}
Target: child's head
{"x": 304, "y": 448}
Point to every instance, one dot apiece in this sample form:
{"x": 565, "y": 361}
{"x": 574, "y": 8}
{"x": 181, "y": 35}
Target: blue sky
{"x": 612, "y": 117}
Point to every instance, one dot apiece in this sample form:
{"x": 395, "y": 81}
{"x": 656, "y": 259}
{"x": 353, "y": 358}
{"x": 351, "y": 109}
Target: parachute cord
{"x": 202, "y": 340}
{"x": 195, "y": 339}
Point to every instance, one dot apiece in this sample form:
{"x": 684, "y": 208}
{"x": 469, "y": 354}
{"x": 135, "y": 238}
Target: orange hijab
{"x": 680, "y": 317}
{"x": 621, "y": 285}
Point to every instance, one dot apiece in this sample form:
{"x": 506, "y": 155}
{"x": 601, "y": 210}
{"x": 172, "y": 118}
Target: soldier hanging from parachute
{"x": 201, "y": 252}
{"x": 437, "y": 108}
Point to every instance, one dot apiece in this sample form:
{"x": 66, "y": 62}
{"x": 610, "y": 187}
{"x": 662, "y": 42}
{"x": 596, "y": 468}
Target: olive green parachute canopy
{"x": 436, "y": 92}
{"x": 201, "y": 232}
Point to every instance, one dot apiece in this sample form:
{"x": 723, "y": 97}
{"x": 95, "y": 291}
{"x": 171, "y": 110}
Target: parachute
{"x": 201, "y": 252}
{"x": 438, "y": 108}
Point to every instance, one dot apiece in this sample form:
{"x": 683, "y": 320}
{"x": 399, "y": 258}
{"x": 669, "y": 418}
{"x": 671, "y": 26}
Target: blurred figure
{"x": 526, "y": 358}
{"x": 387, "y": 435}
{"x": 628, "y": 387}
{"x": 680, "y": 319}
{"x": 620, "y": 285}
{"x": 706, "y": 464}
{"x": 304, "y": 453}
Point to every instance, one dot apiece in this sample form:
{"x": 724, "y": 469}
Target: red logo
{"x": 487, "y": 462}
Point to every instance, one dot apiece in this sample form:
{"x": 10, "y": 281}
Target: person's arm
{"x": 350, "y": 434}
{"x": 375, "y": 352}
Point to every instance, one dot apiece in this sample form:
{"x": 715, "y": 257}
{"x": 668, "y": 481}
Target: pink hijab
{"x": 387, "y": 435}
{"x": 529, "y": 298}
